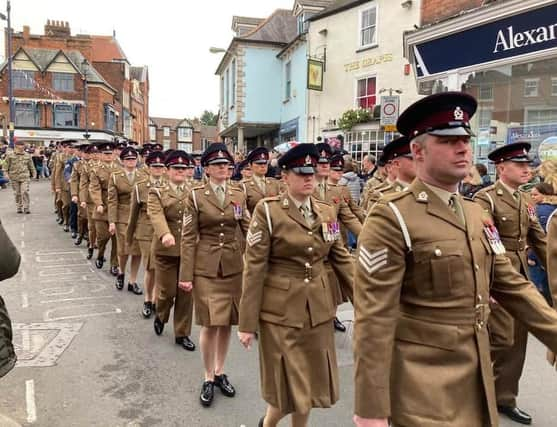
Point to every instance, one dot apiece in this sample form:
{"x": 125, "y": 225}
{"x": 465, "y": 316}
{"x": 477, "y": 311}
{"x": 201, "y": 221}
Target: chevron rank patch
{"x": 254, "y": 238}
{"x": 188, "y": 219}
{"x": 372, "y": 261}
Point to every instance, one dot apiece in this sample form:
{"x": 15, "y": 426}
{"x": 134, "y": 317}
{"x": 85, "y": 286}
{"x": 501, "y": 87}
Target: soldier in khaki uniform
{"x": 286, "y": 293}
{"x": 140, "y": 228}
{"x": 62, "y": 186}
{"x": 258, "y": 186}
{"x": 99, "y": 178}
{"x": 166, "y": 209}
{"x": 337, "y": 169}
{"x": 515, "y": 218}
{"x": 551, "y": 227}
{"x": 120, "y": 187}
{"x": 78, "y": 172}
{"x": 85, "y": 200}
{"x": 428, "y": 261}
{"x": 19, "y": 169}
{"x": 211, "y": 264}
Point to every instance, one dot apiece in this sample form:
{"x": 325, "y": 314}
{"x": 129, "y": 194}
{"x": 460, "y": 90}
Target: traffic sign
{"x": 389, "y": 110}
{"x": 389, "y": 128}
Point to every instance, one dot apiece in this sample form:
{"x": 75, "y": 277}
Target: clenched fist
{"x": 168, "y": 240}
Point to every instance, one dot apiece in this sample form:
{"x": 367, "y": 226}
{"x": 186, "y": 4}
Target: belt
{"x": 219, "y": 240}
{"x": 474, "y": 316}
{"x": 306, "y": 272}
{"x": 513, "y": 245}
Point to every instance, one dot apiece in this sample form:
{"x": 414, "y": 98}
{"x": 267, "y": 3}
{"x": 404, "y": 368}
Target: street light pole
{"x": 85, "y": 69}
{"x": 10, "y": 78}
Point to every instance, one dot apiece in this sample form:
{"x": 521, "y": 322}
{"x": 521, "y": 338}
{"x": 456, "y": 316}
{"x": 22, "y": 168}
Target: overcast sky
{"x": 171, "y": 37}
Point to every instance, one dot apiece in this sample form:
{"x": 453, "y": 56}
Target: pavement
{"x": 88, "y": 358}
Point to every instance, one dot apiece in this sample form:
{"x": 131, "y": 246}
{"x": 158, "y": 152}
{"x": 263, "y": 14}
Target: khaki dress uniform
{"x": 120, "y": 188}
{"x": 256, "y": 189}
{"x": 374, "y": 195}
{"x": 211, "y": 253}
{"x": 518, "y": 226}
{"x": 64, "y": 186}
{"x": 85, "y": 195}
{"x": 78, "y": 172}
{"x": 371, "y": 185}
{"x": 422, "y": 286}
{"x": 166, "y": 208}
{"x": 99, "y": 179}
{"x": 552, "y": 255}
{"x": 286, "y": 297}
{"x": 20, "y": 169}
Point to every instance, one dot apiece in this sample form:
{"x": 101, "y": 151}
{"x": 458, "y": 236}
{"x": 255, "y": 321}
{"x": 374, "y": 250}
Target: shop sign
{"x": 368, "y": 62}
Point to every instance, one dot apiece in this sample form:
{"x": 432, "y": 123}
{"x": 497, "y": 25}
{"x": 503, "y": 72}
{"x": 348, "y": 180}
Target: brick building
{"x": 49, "y": 75}
{"x": 181, "y": 134}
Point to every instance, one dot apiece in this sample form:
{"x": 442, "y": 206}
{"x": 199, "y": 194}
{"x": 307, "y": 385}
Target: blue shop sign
{"x": 290, "y": 126}
{"x": 531, "y": 31}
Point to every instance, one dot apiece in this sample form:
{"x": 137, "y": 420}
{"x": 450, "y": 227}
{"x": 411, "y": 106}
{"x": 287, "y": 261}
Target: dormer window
{"x": 303, "y": 24}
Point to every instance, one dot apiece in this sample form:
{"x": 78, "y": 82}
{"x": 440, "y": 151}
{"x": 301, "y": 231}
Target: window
{"x": 302, "y": 22}
{"x": 368, "y": 27}
{"x": 366, "y": 96}
{"x": 109, "y": 118}
{"x": 184, "y": 134}
{"x": 360, "y": 143}
{"x": 485, "y": 93}
{"x": 127, "y": 124}
{"x": 222, "y": 92}
{"x": 166, "y": 131}
{"x": 226, "y": 89}
{"x": 66, "y": 116}
{"x": 484, "y": 118}
{"x": 63, "y": 82}
{"x": 166, "y": 144}
{"x": 23, "y": 79}
{"x": 531, "y": 87}
{"x": 553, "y": 86}
{"x": 185, "y": 146}
{"x": 27, "y": 114}
{"x": 152, "y": 133}
{"x": 288, "y": 80}
{"x": 233, "y": 84}
{"x": 541, "y": 116}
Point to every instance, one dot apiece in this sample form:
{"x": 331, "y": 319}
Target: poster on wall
{"x": 543, "y": 139}
{"x": 315, "y": 74}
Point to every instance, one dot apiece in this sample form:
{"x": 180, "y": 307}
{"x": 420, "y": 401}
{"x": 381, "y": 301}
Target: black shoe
{"x": 74, "y": 234}
{"x": 134, "y": 287}
{"x": 120, "y": 282}
{"x": 153, "y": 307}
{"x": 221, "y": 381}
{"x": 338, "y": 325}
{"x": 147, "y": 309}
{"x": 515, "y": 414}
{"x": 66, "y": 228}
{"x": 85, "y": 237}
{"x": 114, "y": 270}
{"x": 186, "y": 343}
{"x": 19, "y": 211}
{"x": 99, "y": 263}
{"x": 207, "y": 393}
{"x": 78, "y": 241}
{"x": 26, "y": 211}
{"x": 60, "y": 220}
{"x": 158, "y": 325}
{"x": 90, "y": 253}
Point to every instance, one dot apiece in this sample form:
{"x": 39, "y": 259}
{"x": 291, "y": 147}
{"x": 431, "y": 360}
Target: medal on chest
{"x": 531, "y": 212}
{"x": 331, "y": 231}
{"x": 238, "y": 210}
{"x": 494, "y": 239}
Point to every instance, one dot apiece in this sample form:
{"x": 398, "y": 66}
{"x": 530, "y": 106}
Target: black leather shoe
{"x": 186, "y": 343}
{"x": 158, "y": 325}
{"x": 78, "y": 241}
{"x": 19, "y": 211}
{"x": 134, "y": 287}
{"x": 338, "y": 325}
{"x": 60, "y": 220}
{"x": 120, "y": 282}
{"x": 66, "y": 228}
{"x": 85, "y": 237}
{"x": 516, "y": 414}
{"x": 74, "y": 234}
{"x": 153, "y": 307}
{"x": 27, "y": 211}
{"x": 147, "y": 309}
{"x": 207, "y": 393}
{"x": 90, "y": 253}
{"x": 114, "y": 270}
{"x": 99, "y": 263}
{"x": 221, "y": 381}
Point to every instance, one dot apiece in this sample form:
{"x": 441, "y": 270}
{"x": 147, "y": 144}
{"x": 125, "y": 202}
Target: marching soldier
{"x": 428, "y": 261}
{"x": 99, "y": 178}
{"x": 245, "y": 170}
{"x": 515, "y": 218}
{"x": 258, "y": 186}
{"x": 120, "y": 187}
{"x": 551, "y": 227}
{"x": 286, "y": 297}
{"x": 78, "y": 172}
{"x": 337, "y": 168}
{"x": 141, "y": 229}
{"x": 62, "y": 186}
{"x": 166, "y": 210}
{"x": 85, "y": 200}
{"x": 19, "y": 169}
{"x": 211, "y": 264}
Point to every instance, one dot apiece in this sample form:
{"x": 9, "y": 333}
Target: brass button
{"x": 307, "y": 265}
{"x": 221, "y": 234}
{"x": 438, "y": 252}
{"x": 480, "y": 298}
{"x": 306, "y": 280}
{"x": 310, "y": 233}
{"x": 477, "y": 267}
{"x": 222, "y": 213}
{"x": 310, "y": 249}
{"x": 221, "y": 244}
{"x": 504, "y": 218}
{"x": 222, "y": 225}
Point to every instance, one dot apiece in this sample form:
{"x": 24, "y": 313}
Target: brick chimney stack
{"x": 57, "y": 29}
{"x": 26, "y": 32}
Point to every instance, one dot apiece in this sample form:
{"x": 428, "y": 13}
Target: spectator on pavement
{"x": 471, "y": 183}
{"x": 482, "y": 170}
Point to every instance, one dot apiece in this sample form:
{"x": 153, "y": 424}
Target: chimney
{"x": 59, "y": 29}
{"x": 26, "y": 32}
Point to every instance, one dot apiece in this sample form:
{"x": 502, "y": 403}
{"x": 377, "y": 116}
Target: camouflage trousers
{"x": 21, "y": 194}
{"x": 7, "y": 354}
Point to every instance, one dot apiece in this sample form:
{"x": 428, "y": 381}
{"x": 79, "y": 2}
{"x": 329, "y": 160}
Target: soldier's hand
{"x": 551, "y": 358}
{"x": 185, "y": 286}
{"x": 168, "y": 240}
{"x": 246, "y": 338}
{"x": 75, "y": 199}
{"x": 370, "y": 422}
{"x": 100, "y": 209}
{"x": 112, "y": 228}
{"x": 58, "y": 190}
{"x": 83, "y": 204}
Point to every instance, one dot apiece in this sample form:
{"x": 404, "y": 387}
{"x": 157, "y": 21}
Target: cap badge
{"x": 180, "y": 160}
{"x": 422, "y": 197}
{"x": 323, "y": 153}
{"x": 499, "y": 192}
{"x": 262, "y": 156}
{"x": 220, "y": 153}
{"x": 285, "y": 203}
{"x": 458, "y": 114}
{"x": 308, "y": 159}
{"x": 524, "y": 151}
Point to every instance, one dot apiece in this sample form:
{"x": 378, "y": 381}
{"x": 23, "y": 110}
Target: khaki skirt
{"x": 298, "y": 367}
{"x": 146, "y": 254}
{"x": 216, "y": 300}
{"x": 123, "y": 248}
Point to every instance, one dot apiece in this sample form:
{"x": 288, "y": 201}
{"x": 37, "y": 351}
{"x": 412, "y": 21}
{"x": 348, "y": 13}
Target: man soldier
{"x": 78, "y": 172}
{"x": 332, "y": 194}
{"x": 73, "y": 151}
{"x": 140, "y": 228}
{"x": 165, "y": 208}
{"x": 259, "y": 186}
{"x": 119, "y": 145}
{"x": 19, "y": 169}
{"x": 99, "y": 179}
{"x": 85, "y": 200}
{"x": 427, "y": 263}
{"x": 52, "y": 164}
{"x": 551, "y": 227}
{"x": 120, "y": 187}
{"x": 245, "y": 170}
{"x": 190, "y": 182}
{"x": 61, "y": 185}
{"x": 515, "y": 217}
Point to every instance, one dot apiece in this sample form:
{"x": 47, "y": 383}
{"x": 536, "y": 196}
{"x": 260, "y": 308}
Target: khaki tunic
{"x": 254, "y": 193}
{"x": 60, "y": 182}
{"x": 286, "y": 296}
{"x": 119, "y": 200}
{"x": 375, "y": 194}
{"x": 422, "y": 351}
{"x": 211, "y": 253}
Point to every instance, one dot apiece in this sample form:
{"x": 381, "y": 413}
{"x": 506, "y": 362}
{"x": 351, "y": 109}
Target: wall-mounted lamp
{"x": 406, "y": 4}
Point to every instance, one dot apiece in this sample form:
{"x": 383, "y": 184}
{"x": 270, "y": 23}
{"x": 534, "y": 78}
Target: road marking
{"x": 75, "y": 299}
{"x": 30, "y": 399}
{"x": 24, "y": 300}
{"x": 48, "y": 316}
{"x": 22, "y": 244}
{"x": 22, "y": 234}
{"x": 57, "y": 291}
{"x": 26, "y": 339}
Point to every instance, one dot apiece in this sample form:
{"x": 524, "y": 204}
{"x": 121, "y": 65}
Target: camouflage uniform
{"x": 20, "y": 170}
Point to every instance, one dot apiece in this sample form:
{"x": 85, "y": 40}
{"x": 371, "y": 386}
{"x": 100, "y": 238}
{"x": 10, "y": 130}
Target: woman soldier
{"x": 165, "y": 208}
{"x": 286, "y": 294}
{"x": 212, "y": 264}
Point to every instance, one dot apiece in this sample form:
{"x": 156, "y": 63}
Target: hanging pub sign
{"x": 315, "y": 74}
